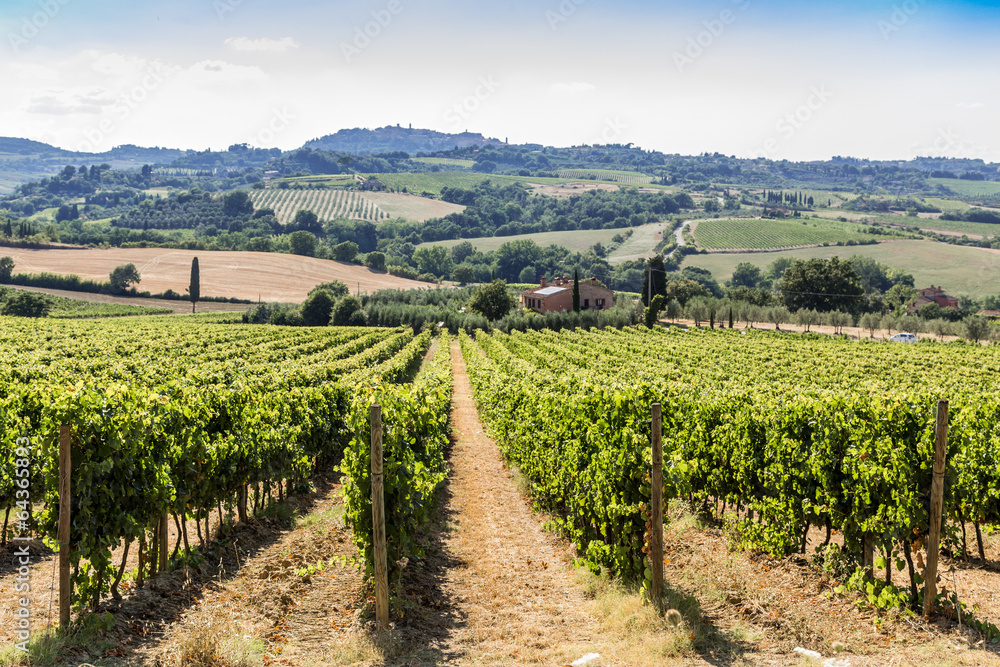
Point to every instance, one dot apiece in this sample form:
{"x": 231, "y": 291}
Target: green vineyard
{"x": 772, "y": 234}
{"x": 326, "y": 204}
{"x": 789, "y": 432}
{"x": 177, "y": 416}
{"x": 626, "y": 177}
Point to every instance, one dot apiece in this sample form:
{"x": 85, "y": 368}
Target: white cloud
{"x": 262, "y": 44}
{"x": 64, "y": 102}
{"x": 220, "y": 71}
{"x": 572, "y": 88}
{"x": 970, "y": 106}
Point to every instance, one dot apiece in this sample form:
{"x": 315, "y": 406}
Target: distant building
{"x": 933, "y": 295}
{"x": 557, "y": 296}
{"x": 991, "y": 314}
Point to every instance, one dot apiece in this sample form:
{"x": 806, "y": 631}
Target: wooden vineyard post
{"x": 161, "y": 534}
{"x": 65, "y": 500}
{"x": 378, "y": 522}
{"x": 937, "y": 499}
{"x": 656, "y": 509}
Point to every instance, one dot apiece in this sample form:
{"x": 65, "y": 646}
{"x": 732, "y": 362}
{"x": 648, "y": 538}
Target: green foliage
{"x": 576, "y": 291}
{"x": 27, "y": 304}
{"x": 194, "y": 288}
{"x": 317, "y": 308}
{"x": 435, "y": 260}
{"x": 345, "y": 310}
{"x": 345, "y": 252}
{"x": 123, "y": 277}
{"x": 414, "y": 436}
{"x": 796, "y": 430}
{"x": 493, "y": 301}
{"x": 652, "y": 312}
{"x": 178, "y": 430}
{"x": 303, "y": 243}
{"x": 337, "y": 288}
{"x": 821, "y": 285}
{"x": 6, "y": 269}
{"x": 375, "y": 261}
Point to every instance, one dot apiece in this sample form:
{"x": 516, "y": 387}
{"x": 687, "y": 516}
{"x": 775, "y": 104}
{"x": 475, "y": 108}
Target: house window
{"x": 599, "y": 302}
{"x": 586, "y": 303}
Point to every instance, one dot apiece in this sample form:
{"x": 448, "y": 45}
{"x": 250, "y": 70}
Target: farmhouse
{"x": 557, "y": 296}
{"x": 933, "y": 295}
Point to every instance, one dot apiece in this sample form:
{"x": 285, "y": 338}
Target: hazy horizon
{"x": 878, "y": 80}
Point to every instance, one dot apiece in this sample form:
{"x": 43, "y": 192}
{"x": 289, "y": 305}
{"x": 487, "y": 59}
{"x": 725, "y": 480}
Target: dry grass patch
{"x": 218, "y": 644}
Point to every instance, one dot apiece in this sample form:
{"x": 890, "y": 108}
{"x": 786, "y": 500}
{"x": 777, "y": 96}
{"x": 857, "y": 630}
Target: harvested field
{"x": 245, "y": 275}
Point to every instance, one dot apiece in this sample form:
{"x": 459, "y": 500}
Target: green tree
{"x": 237, "y": 204}
{"x": 337, "y": 288}
{"x": 462, "y": 251}
{"x": 777, "y": 315}
{"x": 317, "y": 309}
{"x": 302, "y": 243}
{"x": 576, "y": 293}
{"x": 492, "y": 300}
{"x": 513, "y": 256}
{"x": 698, "y": 310}
{"x": 655, "y": 272}
{"x": 345, "y": 310}
{"x": 346, "y": 251}
{"x": 194, "y": 289}
{"x": 870, "y": 322}
{"x": 123, "y": 277}
{"x": 746, "y": 275}
{"x": 27, "y": 304}
{"x": 375, "y": 261}
{"x": 900, "y": 295}
{"x": 307, "y": 221}
{"x": 652, "y": 313}
{"x": 821, "y": 285}
{"x": 807, "y": 317}
{"x": 528, "y": 275}
{"x": 6, "y": 269}
{"x": 684, "y": 290}
{"x": 463, "y": 274}
{"x": 435, "y": 260}
{"x": 976, "y": 328}
{"x": 712, "y": 205}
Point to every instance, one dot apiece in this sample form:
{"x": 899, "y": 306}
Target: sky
{"x": 752, "y": 78}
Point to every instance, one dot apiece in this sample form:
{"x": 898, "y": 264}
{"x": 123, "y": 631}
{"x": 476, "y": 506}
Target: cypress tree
{"x": 576, "y": 290}
{"x": 194, "y": 289}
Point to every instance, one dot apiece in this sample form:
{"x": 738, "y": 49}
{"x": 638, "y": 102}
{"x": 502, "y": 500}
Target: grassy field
{"x": 762, "y": 234}
{"x": 626, "y": 177}
{"x": 444, "y": 161}
{"x": 960, "y": 270}
{"x": 641, "y": 244}
{"x": 432, "y": 182}
{"x": 947, "y": 204}
{"x": 968, "y": 189}
{"x": 577, "y": 241}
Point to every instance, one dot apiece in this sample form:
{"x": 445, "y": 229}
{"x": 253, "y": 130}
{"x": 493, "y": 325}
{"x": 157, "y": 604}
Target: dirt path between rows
{"x": 505, "y": 579}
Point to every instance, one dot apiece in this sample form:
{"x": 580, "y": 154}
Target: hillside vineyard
{"x": 790, "y": 431}
{"x": 183, "y": 415}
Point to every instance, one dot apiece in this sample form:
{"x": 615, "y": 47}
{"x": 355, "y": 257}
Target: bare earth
{"x": 508, "y": 581}
{"x": 246, "y": 275}
{"x": 411, "y": 207}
